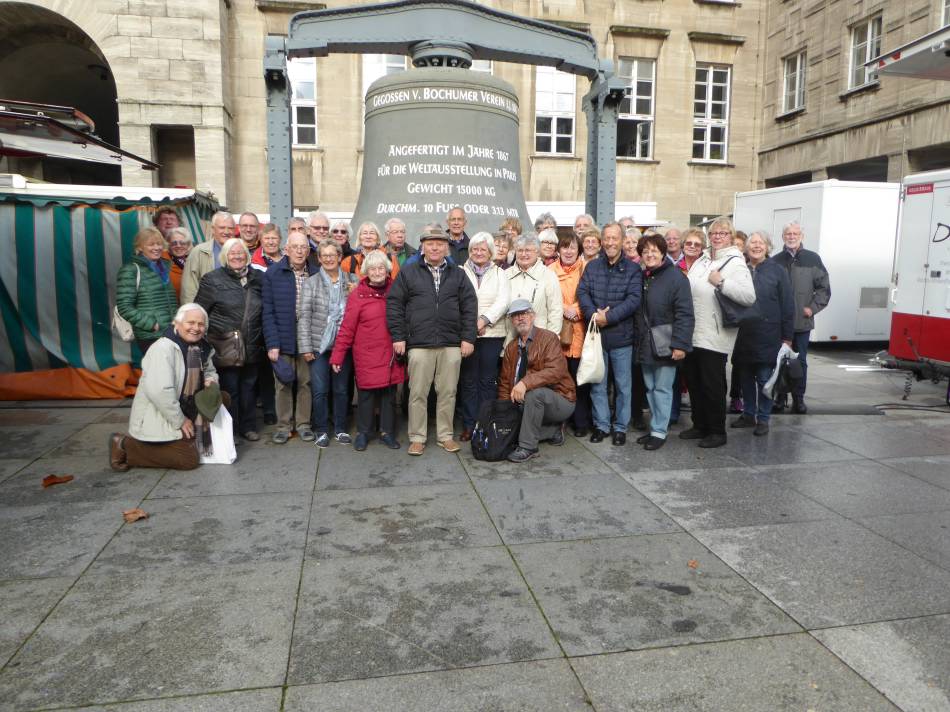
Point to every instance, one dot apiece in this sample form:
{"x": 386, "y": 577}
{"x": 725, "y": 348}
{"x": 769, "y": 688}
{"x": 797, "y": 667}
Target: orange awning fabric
{"x": 70, "y": 384}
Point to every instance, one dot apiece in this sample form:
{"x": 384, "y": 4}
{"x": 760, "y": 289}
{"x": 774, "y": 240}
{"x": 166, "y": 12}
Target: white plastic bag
{"x": 591, "y": 367}
{"x": 223, "y": 451}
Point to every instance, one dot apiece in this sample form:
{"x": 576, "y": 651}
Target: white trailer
{"x": 853, "y": 226}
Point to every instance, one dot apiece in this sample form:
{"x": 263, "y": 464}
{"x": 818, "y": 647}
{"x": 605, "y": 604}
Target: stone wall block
{"x": 171, "y": 114}
{"x": 144, "y": 47}
{"x": 152, "y": 8}
{"x": 115, "y": 46}
{"x": 187, "y": 71}
{"x": 211, "y": 29}
{"x": 192, "y": 8}
{"x": 177, "y": 27}
{"x": 170, "y": 49}
{"x": 134, "y": 25}
{"x": 203, "y": 50}
{"x": 153, "y": 69}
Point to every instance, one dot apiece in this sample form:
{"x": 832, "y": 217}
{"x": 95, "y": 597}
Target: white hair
{"x": 221, "y": 215}
{"x": 585, "y": 215}
{"x": 793, "y": 223}
{"x": 376, "y": 258}
{"x": 316, "y": 215}
{"x": 547, "y": 235}
{"x": 392, "y": 222}
{"x": 528, "y": 240}
{"x": 228, "y": 246}
{"x": 486, "y": 237}
{"x": 181, "y": 232}
{"x": 185, "y": 308}
{"x": 765, "y": 237}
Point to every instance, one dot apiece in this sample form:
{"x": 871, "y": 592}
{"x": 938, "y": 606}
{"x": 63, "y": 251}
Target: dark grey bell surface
{"x": 437, "y": 138}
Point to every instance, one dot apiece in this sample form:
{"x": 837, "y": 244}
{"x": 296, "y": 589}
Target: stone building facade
{"x": 706, "y": 117}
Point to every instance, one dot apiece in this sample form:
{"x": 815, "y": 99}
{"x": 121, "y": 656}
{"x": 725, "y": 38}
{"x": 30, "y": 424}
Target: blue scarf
{"x": 335, "y": 308}
{"x": 158, "y": 267}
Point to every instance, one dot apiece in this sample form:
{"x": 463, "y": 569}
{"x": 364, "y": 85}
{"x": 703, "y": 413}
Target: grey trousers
{"x": 543, "y": 414}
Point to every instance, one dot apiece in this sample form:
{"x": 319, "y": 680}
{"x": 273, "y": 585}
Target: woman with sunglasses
{"x": 723, "y": 270}
{"x": 179, "y": 245}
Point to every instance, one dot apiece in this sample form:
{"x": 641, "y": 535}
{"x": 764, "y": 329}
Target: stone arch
{"x": 46, "y": 58}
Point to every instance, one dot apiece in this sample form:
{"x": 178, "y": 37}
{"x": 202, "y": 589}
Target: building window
{"x": 482, "y": 65}
{"x": 794, "y": 97}
{"x": 865, "y": 46}
{"x": 554, "y": 111}
{"x": 303, "y": 82}
{"x": 711, "y": 113}
{"x": 635, "y": 122}
{"x": 946, "y": 12}
{"x": 380, "y": 65}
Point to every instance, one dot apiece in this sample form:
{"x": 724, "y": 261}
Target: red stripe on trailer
{"x": 920, "y": 188}
{"x": 930, "y": 336}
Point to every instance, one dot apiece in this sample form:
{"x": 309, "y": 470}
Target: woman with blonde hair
{"x": 369, "y": 240}
{"x": 590, "y": 243}
{"x": 569, "y": 268}
{"x": 144, "y": 294}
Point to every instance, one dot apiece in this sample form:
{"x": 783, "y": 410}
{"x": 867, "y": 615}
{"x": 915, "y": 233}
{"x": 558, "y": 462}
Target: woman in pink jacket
{"x": 377, "y": 370}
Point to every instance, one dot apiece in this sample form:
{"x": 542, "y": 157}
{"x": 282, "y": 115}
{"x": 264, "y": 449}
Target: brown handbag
{"x": 229, "y": 349}
{"x": 567, "y": 332}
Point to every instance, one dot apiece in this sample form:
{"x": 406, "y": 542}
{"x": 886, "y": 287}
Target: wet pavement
{"x": 807, "y": 570}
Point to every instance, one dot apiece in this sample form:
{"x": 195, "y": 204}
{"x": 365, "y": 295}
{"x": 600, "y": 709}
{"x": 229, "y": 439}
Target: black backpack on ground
{"x": 495, "y": 434}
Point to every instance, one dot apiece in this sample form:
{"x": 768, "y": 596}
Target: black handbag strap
{"x": 247, "y": 301}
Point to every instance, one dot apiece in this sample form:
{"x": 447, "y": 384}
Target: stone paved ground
{"x": 809, "y": 570}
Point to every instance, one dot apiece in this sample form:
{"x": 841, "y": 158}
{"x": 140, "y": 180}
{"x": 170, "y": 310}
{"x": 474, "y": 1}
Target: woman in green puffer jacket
{"x": 144, "y": 294}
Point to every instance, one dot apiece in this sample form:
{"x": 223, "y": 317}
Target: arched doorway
{"x": 47, "y": 59}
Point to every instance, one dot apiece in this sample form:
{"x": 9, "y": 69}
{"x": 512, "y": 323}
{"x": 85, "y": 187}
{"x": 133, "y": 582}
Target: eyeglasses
{"x": 720, "y": 233}
{"x": 178, "y": 243}
{"x": 321, "y": 228}
{"x": 299, "y": 248}
{"x": 692, "y": 244}
{"x": 340, "y": 232}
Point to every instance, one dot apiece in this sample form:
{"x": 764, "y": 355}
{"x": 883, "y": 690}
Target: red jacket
{"x": 364, "y": 330}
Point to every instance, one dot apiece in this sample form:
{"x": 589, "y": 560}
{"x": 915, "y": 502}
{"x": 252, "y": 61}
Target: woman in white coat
{"x": 724, "y": 270}
{"x": 478, "y": 378}
{"x": 531, "y": 280}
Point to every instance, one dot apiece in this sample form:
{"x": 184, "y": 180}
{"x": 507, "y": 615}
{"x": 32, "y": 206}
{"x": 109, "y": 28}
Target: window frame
{"x": 371, "y": 65}
{"x": 871, "y": 49}
{"x": 295, "y": 68}
{"x": 797, "y": 93}
{"x": 556, "y": 115}
{"x": 945, "y": 17}
{"x": 708, "y": 123}
{"x": 644, "y": 120}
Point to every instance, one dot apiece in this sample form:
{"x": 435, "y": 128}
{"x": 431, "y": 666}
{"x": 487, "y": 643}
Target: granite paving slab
{"x": 119, "y": 416}
{"x": 727, "y": 497}
{"x": 555, "y": 509}
{"x": 210, "y": 531}
{"x": 832, "y": 572}
{"x": 572, "y": 458}
{"x": 31, "y": 441}
{"x": 926, "y": 534}
{"x": 675, "y": 455}
{"x": 258, "y": 469}
{"x": 935, "y": 470}
{"x": 157, "y": 633}
{"x": 907, "y": 660}
{"x": 788, "y": 672}
{"x": 343, "y": 468}
{"x": 47, "y": 539}
{"x": 861, "y": 488}
{"x": 877, "y": 439}
{"x": 250, "y": 701}
{"x": 782, "y": 446}
{"x": 380, "y": 519}
{"x": 638, "y": 592}
{"x": 541, "y": 686}
{"x": 23, "y": 604}
{"x": 10, "y": 466}
{"x": 50, "y": 416}
{"x": 93, "y": 481}
{"x": 90, "y": 441}
{"x": 414, "y": 612}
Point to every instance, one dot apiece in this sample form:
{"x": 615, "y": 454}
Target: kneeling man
{"x": 534, "y": 374}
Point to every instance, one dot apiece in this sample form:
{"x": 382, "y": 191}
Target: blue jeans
{"x": 800, "y": 346}
{"x": 322, "y": 379}
{"x": 755, "y": 404}
{"x": 660, "y": 381}
{"x": 677, "y": 396}
{"x": 478, "y": 377}
{"x": 620, "y": 361}
{"x": 238, "y": 382}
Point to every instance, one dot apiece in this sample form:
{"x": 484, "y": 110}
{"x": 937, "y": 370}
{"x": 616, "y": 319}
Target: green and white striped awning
{"x": 58, "y": 266}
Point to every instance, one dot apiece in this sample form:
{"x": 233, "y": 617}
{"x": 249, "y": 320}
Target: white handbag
{"x": 223, "y": 451}
{"x": 591, "y": 367}
{"x": 120, "y": 325}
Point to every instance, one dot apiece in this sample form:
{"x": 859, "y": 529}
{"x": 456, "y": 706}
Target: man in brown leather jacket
{"x": 534, "y": 374}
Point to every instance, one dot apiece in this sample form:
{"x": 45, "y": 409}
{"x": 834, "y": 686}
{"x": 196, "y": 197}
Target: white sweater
{"x": 493, "y": 298}
{"x": 737, "y": 285}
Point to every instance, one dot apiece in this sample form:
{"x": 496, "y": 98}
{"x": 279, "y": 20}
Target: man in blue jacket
{"x": 280, "y": 294}
{"x": 609, "y": 293}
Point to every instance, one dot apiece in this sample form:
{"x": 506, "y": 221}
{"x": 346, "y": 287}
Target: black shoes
{"x": 692, "y": 434}
{"x": 780, "y": 404}
{"x": 389, "y": 440}
{"x": 361, "y": 441}
{"x": 520, "y": 454}
{"x": 761, "y": 429}
{"x": 597, "y": 436}
{"x": 557, "y": 438}
{"x": 580, "y": 432}
{"x": 798, "y": 406}
{"x": 618, "y": 438}
{"x": 642, "y": 440}
{"x": 742, "y": 422}
{"x": 714, "y": 440}
{"x": 654, "y": 443}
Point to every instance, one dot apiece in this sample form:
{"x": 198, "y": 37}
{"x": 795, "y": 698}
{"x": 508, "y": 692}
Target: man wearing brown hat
{"x": 431, "y": 312}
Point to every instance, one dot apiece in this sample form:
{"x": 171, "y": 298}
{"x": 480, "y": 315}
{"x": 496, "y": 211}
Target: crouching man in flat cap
{"x": 534, "y": 374}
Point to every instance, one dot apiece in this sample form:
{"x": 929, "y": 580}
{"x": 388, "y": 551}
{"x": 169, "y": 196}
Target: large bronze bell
{"x": 436, "y": 138}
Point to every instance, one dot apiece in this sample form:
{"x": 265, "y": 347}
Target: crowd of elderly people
{"x": 308, "y": 327}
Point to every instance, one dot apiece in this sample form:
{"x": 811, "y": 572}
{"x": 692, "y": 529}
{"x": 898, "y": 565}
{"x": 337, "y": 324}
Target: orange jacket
{"x": 569, "y": 279}
{"x": 353, "y": 263}
{"x": 174, "y": 274}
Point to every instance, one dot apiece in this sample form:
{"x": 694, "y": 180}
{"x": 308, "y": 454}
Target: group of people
{"x": 501, "y": 315}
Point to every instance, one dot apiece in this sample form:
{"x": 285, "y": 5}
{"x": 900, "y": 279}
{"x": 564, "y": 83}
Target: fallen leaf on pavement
{"x": 51, "y": 480}
{"x": 693, "y": 564}
{"x": 133, "y": 515}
